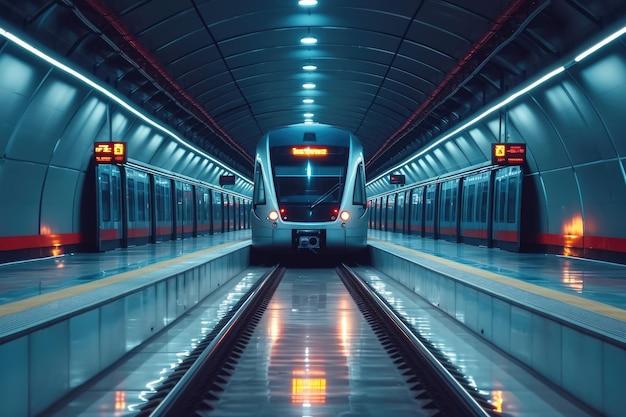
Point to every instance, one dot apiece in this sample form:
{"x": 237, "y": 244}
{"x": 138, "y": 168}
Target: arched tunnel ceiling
{"x": 394, "y": 72}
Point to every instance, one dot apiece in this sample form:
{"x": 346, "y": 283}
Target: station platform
{"x": 599, "y": 281}
{"x": 25, "y": 279}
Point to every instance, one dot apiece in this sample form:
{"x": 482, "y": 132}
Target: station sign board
{"x": 508, "y": 153}
{"x": 397, "y": 179}
{"x": 227, "y": 180}
{"x": 109, "y": 152}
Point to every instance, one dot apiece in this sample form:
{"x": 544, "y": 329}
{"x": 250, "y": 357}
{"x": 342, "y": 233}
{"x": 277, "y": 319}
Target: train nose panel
{"x": 308, "y": 238}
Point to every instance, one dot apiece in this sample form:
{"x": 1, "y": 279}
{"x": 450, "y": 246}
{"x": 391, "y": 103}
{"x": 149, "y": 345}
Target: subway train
{"x": 479, "y": 207}
{"x": 309, "y": 192}
{"x": 138, "y": 205}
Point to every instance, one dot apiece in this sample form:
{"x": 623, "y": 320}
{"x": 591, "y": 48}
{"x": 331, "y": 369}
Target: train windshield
{"x": 310, "y": 175}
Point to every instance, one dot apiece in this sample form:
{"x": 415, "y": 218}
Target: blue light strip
{"x": 25, "y": 45}
{"x": 506, "y": 101}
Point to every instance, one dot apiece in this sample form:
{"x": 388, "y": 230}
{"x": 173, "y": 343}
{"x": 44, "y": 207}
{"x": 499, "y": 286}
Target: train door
{"x": 417, "y": 212}
{"x": 389, "y": 212}
{"x": 474, "y": 209}
{"x": 203, "y": 211}
{"x": 407, "y": 213}
{"x": 184, "y": 210}
{"x": 217, "y": 211}
{"x": 163, "y": 202}
{"x": 505, "y": 232}
{"x": 231, "y": 213}
{"x": 399, "y": 213}
{"x": 109, "y": 203}
{"x": 377, "y": 208}
{"x": 430, "y": 211}
{"x": 138, "y": 214}
{"x": 448, "y": 210}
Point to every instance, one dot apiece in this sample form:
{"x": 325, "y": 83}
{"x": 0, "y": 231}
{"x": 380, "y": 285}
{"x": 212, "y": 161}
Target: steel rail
{"x": 187, "y": 386}
{"x": 458, "y": 400}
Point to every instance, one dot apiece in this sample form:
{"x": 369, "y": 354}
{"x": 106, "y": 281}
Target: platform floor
{"x": 21, "y": 280}
{"x": 599, "y": 281}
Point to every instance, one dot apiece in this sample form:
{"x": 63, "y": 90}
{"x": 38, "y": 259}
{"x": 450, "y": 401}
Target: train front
{"x": 309, "y": 192}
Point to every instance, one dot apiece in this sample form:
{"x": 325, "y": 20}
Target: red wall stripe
{"x": 38, "y": 241}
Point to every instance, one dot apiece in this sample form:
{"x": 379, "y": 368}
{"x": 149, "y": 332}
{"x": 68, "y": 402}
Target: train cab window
{"x": 310, "y": 180}
{"x": 258, "y": 197}
{"x": 359, "y": 188}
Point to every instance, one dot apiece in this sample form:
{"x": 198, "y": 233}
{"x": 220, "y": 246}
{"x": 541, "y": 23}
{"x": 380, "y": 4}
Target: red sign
{"x": 110, "y": 152}
{"x": 508, "y": 153}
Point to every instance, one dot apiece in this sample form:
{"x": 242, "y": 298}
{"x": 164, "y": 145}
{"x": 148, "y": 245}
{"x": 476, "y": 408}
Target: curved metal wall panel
{"x": 574, "y": 128}
{"x": 60, "y": 209}
{"x": 20, "y": 186}
{"x": 48, "y": 124}
{"x": 604, "y": 82}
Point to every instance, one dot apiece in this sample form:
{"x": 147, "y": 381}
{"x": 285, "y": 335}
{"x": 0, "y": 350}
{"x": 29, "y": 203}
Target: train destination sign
{"x": 508, "y": 153}
{"x": 309, "y": 151}
{"x": 110, "y": 152}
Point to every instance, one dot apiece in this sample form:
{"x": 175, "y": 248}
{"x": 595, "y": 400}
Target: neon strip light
{"x": 504, "y": 102}
{"x": 24, "y": 45}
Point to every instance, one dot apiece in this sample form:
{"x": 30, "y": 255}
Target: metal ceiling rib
{"x": 394, "y": 73}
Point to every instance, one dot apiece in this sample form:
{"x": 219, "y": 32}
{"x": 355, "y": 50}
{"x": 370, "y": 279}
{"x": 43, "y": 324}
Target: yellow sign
{"x": 110, "y": 152}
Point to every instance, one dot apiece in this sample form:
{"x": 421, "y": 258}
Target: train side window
{"x": 469, "y": 213}
{"x": 359, "y": 188}
{"x": 501, "y": 193}
{"x": 105, "y": 196}
{"x": 512, "y": 198}
{"x": 130, "y": 199}
{"x": 115, "y": 193}
{"x": 141, "y": 202}
{"x": 483, "y": 191}
{"x": 258, "y": 197}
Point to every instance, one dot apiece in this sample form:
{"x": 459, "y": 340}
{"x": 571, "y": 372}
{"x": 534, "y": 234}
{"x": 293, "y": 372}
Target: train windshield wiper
{"x": 326, "y": 194}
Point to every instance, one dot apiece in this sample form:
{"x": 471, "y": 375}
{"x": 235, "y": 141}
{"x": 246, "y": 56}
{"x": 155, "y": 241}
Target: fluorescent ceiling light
{"x": 308, "y": 101}
{"x": 600, "y": 44}
{"x": 308, "y": 40}
{"x": 308, "y": 121}
{"x": 309, "y": 67}
{"x": 23, "y": 44}
{"x": 481, "y": 116}
{"x": 307, "y": 3}
{"x": 308, "y": 86}
{"x": 308, "y": 115}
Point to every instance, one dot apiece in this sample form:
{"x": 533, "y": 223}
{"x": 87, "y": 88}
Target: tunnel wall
{"x": 575, "y": 176}
{"x": 48, "y": 124}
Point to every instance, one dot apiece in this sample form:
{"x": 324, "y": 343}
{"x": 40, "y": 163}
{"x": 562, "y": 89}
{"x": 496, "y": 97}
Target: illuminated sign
{"x": 308, "y": 151}
{"x": 508, "y": 153}
{"x": 110, "y": 152}
{"x": 397, "y": 179}
{"x": 227, "y": 180}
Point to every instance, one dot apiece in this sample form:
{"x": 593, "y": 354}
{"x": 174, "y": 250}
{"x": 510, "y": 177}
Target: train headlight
{"x": 273, "y": 215}
{"x": 344, "y": 216}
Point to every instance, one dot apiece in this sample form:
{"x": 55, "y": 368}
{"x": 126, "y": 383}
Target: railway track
{"x": 197, "y": 387}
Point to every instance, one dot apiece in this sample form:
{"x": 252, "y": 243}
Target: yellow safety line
{"x": 577, "y": 301}
{"x": 38, "y": 300}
